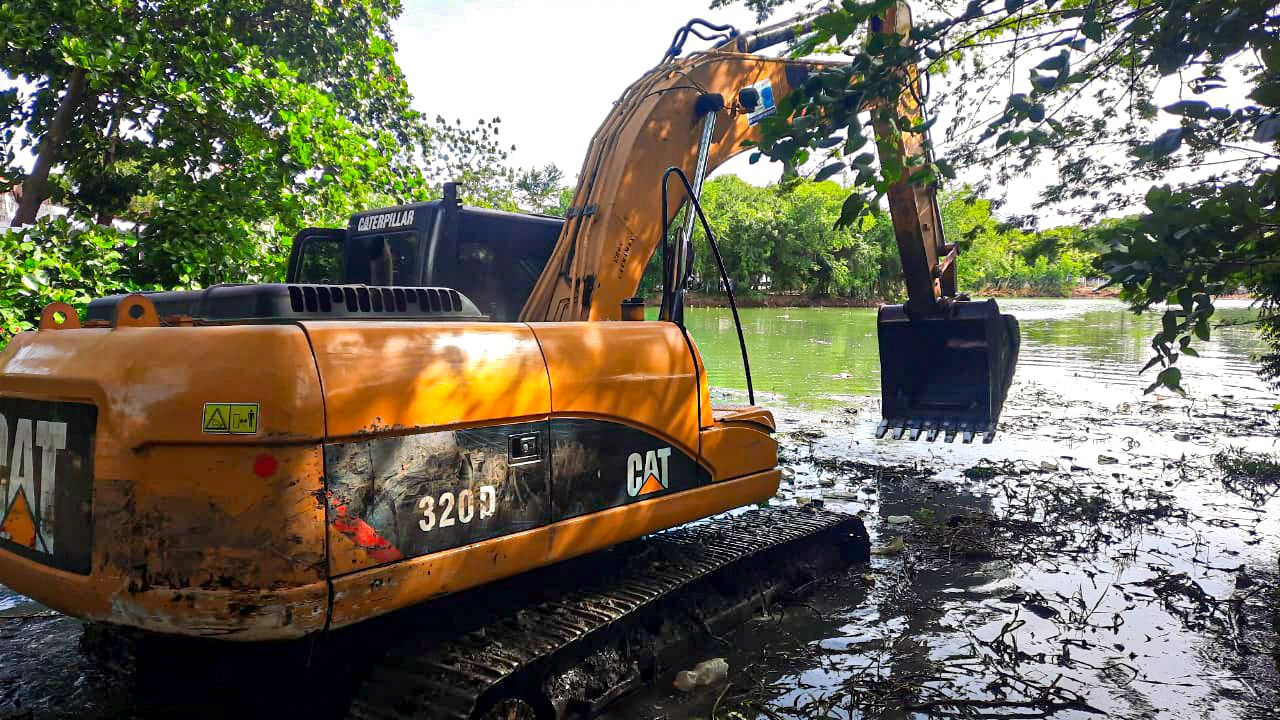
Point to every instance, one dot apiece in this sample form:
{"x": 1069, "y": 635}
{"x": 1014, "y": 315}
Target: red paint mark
{"x": 265, "y": 465}
{"x": 378, "y": 547}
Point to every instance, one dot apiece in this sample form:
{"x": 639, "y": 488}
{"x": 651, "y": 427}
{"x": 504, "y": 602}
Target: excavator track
{"x": 569, "y": 655}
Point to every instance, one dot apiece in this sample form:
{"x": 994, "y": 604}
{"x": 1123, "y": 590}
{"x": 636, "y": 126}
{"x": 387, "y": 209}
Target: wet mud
{"x": 1101, "y": 559}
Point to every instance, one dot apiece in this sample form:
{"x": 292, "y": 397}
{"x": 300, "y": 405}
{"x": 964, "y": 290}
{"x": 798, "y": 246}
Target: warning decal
{"x": 230, "y": 419}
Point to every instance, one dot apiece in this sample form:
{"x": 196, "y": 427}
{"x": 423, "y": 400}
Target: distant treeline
{"x": 778, "y": 240}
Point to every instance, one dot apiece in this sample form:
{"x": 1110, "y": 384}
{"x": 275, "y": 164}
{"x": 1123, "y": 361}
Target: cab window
{"x": 320, "y": 261}
{"x": 389, "y": 259}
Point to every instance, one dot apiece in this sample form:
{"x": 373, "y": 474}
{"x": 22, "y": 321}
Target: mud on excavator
{"x": 441, "y": 397}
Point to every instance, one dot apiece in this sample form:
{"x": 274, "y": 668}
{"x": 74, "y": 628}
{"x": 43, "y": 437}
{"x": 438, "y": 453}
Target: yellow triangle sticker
{"x": 19, "y": 525}
{"x": 215, "y": 418}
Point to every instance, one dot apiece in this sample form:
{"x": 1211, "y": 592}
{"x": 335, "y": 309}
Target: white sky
{"x": 550, "y": 70}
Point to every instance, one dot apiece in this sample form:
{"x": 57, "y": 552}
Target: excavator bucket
{"x": 947, "y": 373}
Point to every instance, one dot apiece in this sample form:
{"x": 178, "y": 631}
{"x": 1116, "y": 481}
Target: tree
{"x": 1070, "y": 88}
{"x": 539, "y": 190}
{"x": 218, "y": 129}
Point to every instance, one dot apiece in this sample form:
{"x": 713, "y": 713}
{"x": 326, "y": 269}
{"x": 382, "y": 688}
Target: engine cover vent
{"x": 289, "y": 303}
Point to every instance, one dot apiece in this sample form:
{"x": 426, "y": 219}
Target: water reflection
{"x": 820, "y": 358}
{"x": 1105, "y": 577}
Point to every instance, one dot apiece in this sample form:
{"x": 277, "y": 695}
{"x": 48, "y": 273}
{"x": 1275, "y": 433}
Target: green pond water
{"x": 820, "y": 358}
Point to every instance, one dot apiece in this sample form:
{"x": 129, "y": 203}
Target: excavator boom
{"x": 946, "y": 363}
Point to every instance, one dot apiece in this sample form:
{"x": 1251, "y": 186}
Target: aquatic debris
{"x": 808, "y": 433}
{"x": 988, "y": 469}
{"x": 1107, "y": 460}
{"x": 898, "y": 519}
{"x": 1244, "y": 464}
{"x": 707, "y": 672}
{"x": 1253, "y": 476}
{"x": 895, "y": 547}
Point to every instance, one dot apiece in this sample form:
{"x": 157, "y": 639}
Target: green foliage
{"x": 1244, "y": 465}
{"x": 56, "y": 261}
{"x": 539, "y": 190}
{"x": 783, "y": 239}
{"x": 1069, "y": 89}
{"x": 218, "y": 130}
{"x": 997, "y": 257}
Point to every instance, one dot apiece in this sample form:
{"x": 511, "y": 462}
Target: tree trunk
{"x": 35, "y": 190}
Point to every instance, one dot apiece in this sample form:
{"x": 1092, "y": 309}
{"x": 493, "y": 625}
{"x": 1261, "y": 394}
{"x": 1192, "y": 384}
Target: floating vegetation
{"x": 1253, "y": 476}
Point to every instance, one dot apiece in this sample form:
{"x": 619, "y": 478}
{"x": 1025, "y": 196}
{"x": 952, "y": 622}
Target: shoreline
{"x": 786, "y": 300}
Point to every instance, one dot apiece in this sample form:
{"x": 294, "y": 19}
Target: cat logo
{"x": 26, "y": 517}
{"x": 647, "y": 473}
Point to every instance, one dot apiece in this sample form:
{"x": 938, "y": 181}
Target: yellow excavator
{"x": 443, "y": 397}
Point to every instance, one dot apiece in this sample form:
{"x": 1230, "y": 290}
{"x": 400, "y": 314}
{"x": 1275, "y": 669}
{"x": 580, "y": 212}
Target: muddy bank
{"x": 800, "y": 300}
{"x": 778, "y": 300}
{"x": 1097, "y": 561}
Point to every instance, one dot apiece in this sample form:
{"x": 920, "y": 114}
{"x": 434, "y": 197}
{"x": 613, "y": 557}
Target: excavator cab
{"x": 945, "y": 373}
{"x": 491, "y": 257}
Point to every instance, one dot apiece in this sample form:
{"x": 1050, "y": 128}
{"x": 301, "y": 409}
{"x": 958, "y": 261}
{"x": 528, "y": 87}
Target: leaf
{"x": 1158, "y": 197}
{"x": 1057, "y": 62}
{"x": 1266, "y": 94}
{"x": 828, "y": 171}
{"x": 855, "y": 143}
{"x": 1167, "y": 143}
{"x": 1202, "y": 329}
{"x": 1184, "y": 299}
{"x": 1267, "y": 130}
{"x": 850, "y": 210}
{"x": 1171, "y": 378}
{"x": 1011, "y": 137}
{"x": 1044, "y": 83}
{"x": 1092, "y": 30}
{"x": 1188, "y": 108}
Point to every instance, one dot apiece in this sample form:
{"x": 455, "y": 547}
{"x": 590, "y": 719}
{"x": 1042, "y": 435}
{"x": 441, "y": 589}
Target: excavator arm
{"x": 615, "y": 222}
{"x": 946, "y": 362}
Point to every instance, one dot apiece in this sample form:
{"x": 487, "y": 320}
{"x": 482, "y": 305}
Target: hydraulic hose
{"x": 669, "y": 295}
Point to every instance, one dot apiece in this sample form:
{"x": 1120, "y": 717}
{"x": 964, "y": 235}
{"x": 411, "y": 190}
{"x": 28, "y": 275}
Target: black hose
{"x": 715, "y": 250}
{"x": 719, "y": 33}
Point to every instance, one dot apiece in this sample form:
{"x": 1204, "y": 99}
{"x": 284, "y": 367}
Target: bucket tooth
{"x": 882, "y": 428}
{"x": 913, "y": 431}
{"x": 930, "y": 432}
{"x": 988, "y": 436}
{"x": 897, "y": 432}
